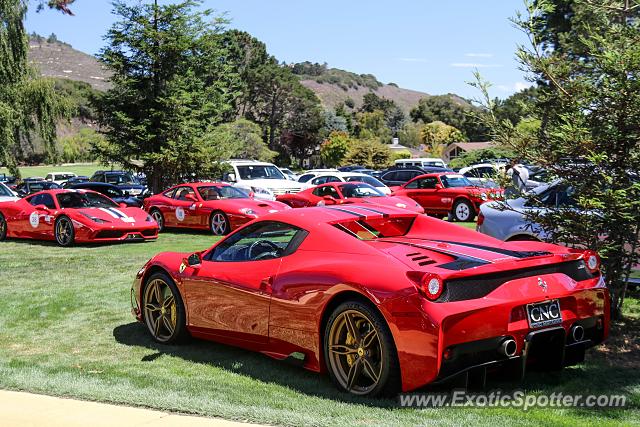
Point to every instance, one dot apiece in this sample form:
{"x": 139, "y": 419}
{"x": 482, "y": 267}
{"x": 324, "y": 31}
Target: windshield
{"x": 122, "y": 178}
{"x": 84, "y": 200}
{"x": 4, "y": 191}
{"x": 259, "y": 172}
{"x": 359, "y": 190}
{"x": 453, "y": 181}
{"x": 212, "y": 192}
{"x": 368, "y": 179}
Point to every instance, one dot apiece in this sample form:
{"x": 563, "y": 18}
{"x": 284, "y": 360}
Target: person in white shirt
{"x": 519, "y": 176}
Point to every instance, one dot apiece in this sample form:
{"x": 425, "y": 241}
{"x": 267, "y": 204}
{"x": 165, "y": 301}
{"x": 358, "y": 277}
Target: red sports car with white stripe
{"x": 74, "y": 216}
{"x": 212, "y": 206}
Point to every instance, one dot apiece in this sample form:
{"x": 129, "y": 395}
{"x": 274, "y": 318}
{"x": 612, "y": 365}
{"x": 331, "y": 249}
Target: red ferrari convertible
{"x": 443, "y": 193}
{"x": 383, "y": 299}
{"x": 74, "y": 216}
{"x": 337, "y": 193}
{"x": 217, "y": 207}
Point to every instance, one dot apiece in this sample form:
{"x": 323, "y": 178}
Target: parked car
{"x": 508, "y": 220}
{"x": 6, "y": 194}
{"x": 421, "y": 162}
{"x": 382, "y": 299}
{"x": 343, "y": 193}
{"x": 217, "y": 207}
{"x": 75, "y": 180}
{"x": 312, "y": 173}
{"x": 74, "y": 216}
{"x": 441, "y": 194}
{"x": 59, "y": 177}
{"x": 482, "y": 174}
{"x": 109, "y": 190}
{"x": 289, "y": 174}
{"x": 324, "y": 178}
{"x": 7, "y": 179}
{"x": 30, "y": 186}
{"x": 124, "y": 180}
{"x": 265, "y": 180}
{"x": 398, "y": 176}
{"x": 349, "y": 168}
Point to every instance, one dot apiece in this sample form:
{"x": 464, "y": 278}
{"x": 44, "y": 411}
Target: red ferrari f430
{"x": 381, "y": 298}
{"x": 74, "y": 216}
{"x": 216, "y": 207}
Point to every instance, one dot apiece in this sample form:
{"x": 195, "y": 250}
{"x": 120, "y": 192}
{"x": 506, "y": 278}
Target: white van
{"x": 60, "y": 177}
{"x": 421, "y": 162}
{"x": 265, "y": 180}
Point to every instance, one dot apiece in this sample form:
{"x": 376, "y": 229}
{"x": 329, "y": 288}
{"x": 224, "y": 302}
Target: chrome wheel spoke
{"x": 342, "y": 349}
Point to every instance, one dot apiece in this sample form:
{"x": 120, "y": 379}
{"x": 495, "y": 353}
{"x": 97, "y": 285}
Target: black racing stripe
{"x": 371, "y": 210}
{"x": 116, "y": 213}
{"x": 508, "y": 252}
{"x": 359, "y": 215}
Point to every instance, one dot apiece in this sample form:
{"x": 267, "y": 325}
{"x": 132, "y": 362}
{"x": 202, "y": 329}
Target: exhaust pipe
{"x": 508, "y": 348}
{"x": 577, "y": 333}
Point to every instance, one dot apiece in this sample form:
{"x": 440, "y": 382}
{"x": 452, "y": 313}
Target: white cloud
{"x": 479, "y": 55}
{"x": 474, "y": 65}
{"x": 412, "y": 59}
{"x": 512, "y": 88}
{"x": 518, "y": 86}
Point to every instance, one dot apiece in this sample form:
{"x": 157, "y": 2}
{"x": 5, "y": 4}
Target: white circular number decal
{"x": 180, "y": 214}
{"x": 34, "y": 219}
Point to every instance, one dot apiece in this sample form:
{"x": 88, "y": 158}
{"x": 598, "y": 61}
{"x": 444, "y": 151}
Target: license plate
{"x": 544, "y": 314}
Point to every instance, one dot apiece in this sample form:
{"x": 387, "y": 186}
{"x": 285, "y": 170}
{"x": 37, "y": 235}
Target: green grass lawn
{"x": 66, "y": 329}
{"x": 79, "y": 169}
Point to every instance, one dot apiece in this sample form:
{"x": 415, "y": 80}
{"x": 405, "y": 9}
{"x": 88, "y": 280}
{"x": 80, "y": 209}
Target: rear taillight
{"x": 592, "y": 261}
{"x": 480, "y": 219}
{"x": 431, "y": 286}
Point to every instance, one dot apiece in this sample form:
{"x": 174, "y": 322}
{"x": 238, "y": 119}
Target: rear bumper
{"x": 437, "y": 342}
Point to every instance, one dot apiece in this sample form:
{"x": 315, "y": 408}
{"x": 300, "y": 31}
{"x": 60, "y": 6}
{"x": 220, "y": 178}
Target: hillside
{"x": 331, "y": 85}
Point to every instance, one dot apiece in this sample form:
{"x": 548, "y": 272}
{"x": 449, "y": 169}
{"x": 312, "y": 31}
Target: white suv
{"x": 265, "y": 180}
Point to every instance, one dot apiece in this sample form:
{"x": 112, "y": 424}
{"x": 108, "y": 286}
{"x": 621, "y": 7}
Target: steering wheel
{"x": 255, "y": 244}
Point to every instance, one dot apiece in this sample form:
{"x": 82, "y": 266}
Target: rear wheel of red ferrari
{"x": 463, "y": 211}
{"x": 219, "y": 223}
{"x": 64, "y": 232}
{"x": 158, "y": 217}
{"x": 359, "y": 351}
{"x": 3, "y": 227}
{"x": 163, "y": 310}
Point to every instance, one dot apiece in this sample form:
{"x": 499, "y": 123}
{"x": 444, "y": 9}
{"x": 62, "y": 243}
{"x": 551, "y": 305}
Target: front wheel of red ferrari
{"x": 359, "y": 351}
{"x": 158, "y": 217}
{"x": 163, "y": 310}
{"x": 64, "y": 232}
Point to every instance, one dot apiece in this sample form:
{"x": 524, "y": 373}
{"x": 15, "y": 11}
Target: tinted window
{"x": 367, "y": 179}
{"x": 327, "y": 190}
{"x": 306, "y": 177}
{"x": 213, "y": 192}
{"x": 73, "y": 200}
{"x": 359, "y": 190}
{"x": 4, "y": 191}
{"x": 427, "y": 183}
{"x": 259, "y": 172}
{"x": 42, "y": 199}
{"x": 169, "y": 193}
{"x": 182, "y": 192}
{"x": 121, "y": 178}
{"x": 390, "y": 176}
{"x": 264, "y": 240}
{"x": 454, "y": 181}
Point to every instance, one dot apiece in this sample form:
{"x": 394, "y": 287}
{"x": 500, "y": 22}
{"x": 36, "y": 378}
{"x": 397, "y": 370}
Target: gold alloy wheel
{"x": 160, "y": 310}
{"x": 355, "y": 352}
{"x": 3, "y": 227}
{"x": 64, "y": 231}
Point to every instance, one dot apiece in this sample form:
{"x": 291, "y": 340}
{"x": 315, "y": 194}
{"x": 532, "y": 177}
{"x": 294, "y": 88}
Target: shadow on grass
{"x": 52, "y": 243}
{"x": 589, "y": 378}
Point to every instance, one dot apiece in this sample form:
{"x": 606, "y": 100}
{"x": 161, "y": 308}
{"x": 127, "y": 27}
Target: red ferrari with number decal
{"x": 339, "y": 193}
{"x": 382, "y": 299}
{"x": 217, "y": 207}
{"x": 74, "y": 216}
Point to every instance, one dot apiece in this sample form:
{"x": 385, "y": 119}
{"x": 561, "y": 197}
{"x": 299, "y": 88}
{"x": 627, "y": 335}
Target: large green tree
{"x": 585, "y": 58}
{"x": 29, "y": 105}
{"x": 170, "y": 90}
{"x": 453, "y": 111}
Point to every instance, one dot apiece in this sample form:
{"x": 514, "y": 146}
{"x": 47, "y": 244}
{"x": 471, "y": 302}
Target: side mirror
{"x": 123, "y": 205}
{"x": 41, "y": 208}
{"x": 231, "y": 177}
{"x": 439, "y": 187}
{"x": 194, "y": 260}
{"x": 191, "y": 197}
{"x": 329, "y": 200}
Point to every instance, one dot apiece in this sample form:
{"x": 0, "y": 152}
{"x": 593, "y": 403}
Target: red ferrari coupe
{"x": 383, "y": 299}
{"x": 336, "y": 193}
{"x": 217, "y": 207}
{"x": 443, "y": 193}
{"x": 74, "y": 216}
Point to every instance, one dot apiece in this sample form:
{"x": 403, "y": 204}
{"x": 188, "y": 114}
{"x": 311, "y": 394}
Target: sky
{"x": 427, "y": 45}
